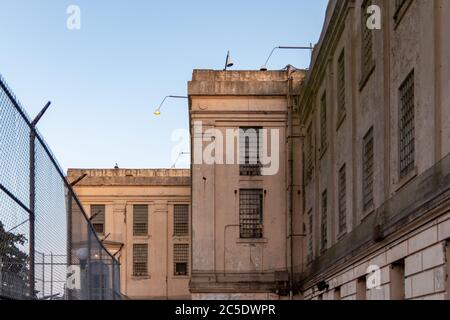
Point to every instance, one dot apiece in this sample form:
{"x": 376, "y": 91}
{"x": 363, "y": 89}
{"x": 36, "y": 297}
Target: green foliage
{"x": 13, "y": 261}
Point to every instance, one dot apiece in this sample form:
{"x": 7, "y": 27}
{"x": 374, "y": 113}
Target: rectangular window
{"x": 251, "y": 213}
{"x": 341, "y": 86}
{"x": 366, "y": 41}
{"x": 397, "y": 277}
{"x": 310, "y": 255}
{"x": 180, "y": 259}
{"x": 342, "y": 201}
{"x": 324, "y": 221}
{"x": 309, "y": 154}
{"x": 140, "y": 260}
{"x": 98, "y": 218}
{"x": 406, "y": 123}
{"x": 140, "y": 220}
{"x": 323, "y": 122}
{"x": 368, "y": 163}
{"x": 249, "y": 149}
{"x": 181, "y": 220}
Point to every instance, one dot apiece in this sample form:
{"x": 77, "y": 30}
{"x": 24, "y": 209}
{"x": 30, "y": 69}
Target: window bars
{"x": 98, "y": 218}
{"x": 140, "y": 220}
{"x": 406, "y": 123}
{"x": 249, "y": 149}
{"x": 181, "y": 220}
{"x": 251, "y": 213}
{"x": 367, "y": 176}
{"x": 181, "y": 259}
{"x": 140, "y": 260}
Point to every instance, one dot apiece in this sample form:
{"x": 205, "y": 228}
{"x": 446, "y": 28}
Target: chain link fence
{"x": 48, "y": 247}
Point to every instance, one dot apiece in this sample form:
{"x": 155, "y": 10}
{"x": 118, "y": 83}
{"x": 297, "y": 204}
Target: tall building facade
{"x": 328, "y": 183}
{"x": 143, "y": 218}
{"x": 375, "y": 110}
{"x": 241, "y": 217}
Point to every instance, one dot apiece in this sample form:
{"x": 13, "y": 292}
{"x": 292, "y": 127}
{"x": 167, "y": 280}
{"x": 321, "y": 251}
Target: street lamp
{"x": 179, "y": 155}
{"x": 158, "y": 110}
{"x": 264, "y": 67}
{"x": 228, "y": 62}
{"x": 82, "y": 255}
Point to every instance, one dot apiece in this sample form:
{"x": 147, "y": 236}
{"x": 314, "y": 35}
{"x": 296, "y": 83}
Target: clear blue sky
{"x": 106, "y": 79}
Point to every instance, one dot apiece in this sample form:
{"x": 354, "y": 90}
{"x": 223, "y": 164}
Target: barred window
{"x": 140, "y": 220}
{"x": 324, "y": 221}
{"x": 140, "y": 259}
{"x": 366, "y": 40}
{"x": 181, "y": 220}
{"x": 310, "y": 237}
{"x": 342, "y": 200}
{"x": 180, "y": 259}
{"x": 98, "y": 218}
{"x": 323, "y": 121}
{"x": 406, "y": 116}
{"x": 249, "y": 149}
{"x": 251, "y": 213}
{"x": 341, "y": 85}
{"x": 309, "y": 154}
{"x": 367, "y": 176}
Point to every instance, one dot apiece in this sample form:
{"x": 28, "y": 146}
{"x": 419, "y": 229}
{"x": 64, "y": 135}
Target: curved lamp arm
{"x": 158, "y": 110}
{"x": 264, "y": 67}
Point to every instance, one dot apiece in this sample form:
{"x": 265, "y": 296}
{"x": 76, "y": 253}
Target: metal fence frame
{"x": 98, "y": 268}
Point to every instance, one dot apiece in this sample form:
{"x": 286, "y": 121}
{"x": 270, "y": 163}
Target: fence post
{"x": 43, "y": 274}
{"x": 88, "y": 265}
{"x": 33, "y": 196}
{"x": 1, "y": 276}
{"x": 113, "y": 280}
{"x": 51, "y": 275}
{"x": 68, "y": 295}
{"x": 32, "y": 210}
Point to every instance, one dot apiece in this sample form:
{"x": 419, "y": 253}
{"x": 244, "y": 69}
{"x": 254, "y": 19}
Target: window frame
{"x": 142, "y": 260}
{"x": 342, "y": 200}
{"x": 249, "y": 169}
{"x": 309, "y": 161}
{"x": 94, "y": 217}
{"x": 256, "y": 226}
{"x": 368, "y": 177}
{"x": 323, "y": 123}
{"x": 136, "y": 224}
{"x": 367, "y": 41}
{"x": 324, "y": 221}
{"x": 341, "y": 89}
{"x": 310, "y": 233}
{"x": 403, "y": 132}
{"x": 181, "y": 225}
{"x": 180, "y": 256}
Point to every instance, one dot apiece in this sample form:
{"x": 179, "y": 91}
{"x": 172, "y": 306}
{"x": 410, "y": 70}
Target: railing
{"x": 48, "y": 248}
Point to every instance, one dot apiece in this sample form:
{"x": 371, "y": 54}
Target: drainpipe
{"x": 191, "y": 207}
{"x": 167, "y": 253}
{"x": 290, "y": 182}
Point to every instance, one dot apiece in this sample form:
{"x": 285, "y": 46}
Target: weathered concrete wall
{"x": 230, "y": 100}
{"x": 426, "y": 259}
{"x": 416, "y": 40}
{"x": 119, "y": 190}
